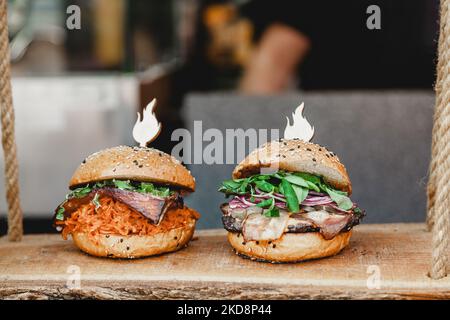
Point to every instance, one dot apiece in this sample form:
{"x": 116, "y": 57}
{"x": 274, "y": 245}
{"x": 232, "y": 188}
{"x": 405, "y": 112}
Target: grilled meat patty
{"x": 328, "y": 223}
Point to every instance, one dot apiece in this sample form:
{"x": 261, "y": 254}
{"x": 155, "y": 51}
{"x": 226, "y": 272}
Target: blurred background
{"x": 83, "y": 68}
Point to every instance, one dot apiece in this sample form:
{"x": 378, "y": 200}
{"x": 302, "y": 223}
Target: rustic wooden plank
{"x": 38, "y": 266}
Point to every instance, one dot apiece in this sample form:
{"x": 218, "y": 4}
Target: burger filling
{"x": 123, "y": 208}
{"x": 265, "y": 206}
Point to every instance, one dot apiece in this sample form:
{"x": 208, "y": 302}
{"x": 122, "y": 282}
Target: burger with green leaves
{"x": 289, "y": 202}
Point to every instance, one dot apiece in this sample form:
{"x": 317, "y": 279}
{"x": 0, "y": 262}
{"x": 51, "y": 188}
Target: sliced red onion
{"x": 317, "y": 203}
{"x": 313, "y": 199}
{"x": 314, "y": 193}
{"x": 236, "y": 203}
{"x": 266, "y": 195}
{"x": 280, "y": 204}
{"x": 248, "y": 203}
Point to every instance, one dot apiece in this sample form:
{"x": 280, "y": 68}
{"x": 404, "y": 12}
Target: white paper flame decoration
{"x": 148, "y": 129}
{"x": 300, "y": 127}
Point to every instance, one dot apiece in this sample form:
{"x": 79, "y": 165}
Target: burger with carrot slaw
{"x": 127, "y": 202}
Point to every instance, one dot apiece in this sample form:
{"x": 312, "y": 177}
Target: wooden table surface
{"x": 41, "y": 266}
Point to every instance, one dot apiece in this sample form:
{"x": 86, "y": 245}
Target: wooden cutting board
{"x": 43, "y": 266}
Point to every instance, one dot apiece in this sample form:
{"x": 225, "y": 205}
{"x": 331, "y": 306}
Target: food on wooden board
{"x": 127, "y": 202}
{"x": 289, "y": 202}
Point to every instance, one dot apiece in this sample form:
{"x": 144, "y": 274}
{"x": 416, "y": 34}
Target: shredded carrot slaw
{"x": 116, "y": 218}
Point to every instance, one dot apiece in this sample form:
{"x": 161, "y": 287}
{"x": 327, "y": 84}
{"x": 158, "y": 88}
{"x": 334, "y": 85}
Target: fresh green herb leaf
{"x": 300, "y": 192}
{"x": 264, "y": 186}
{"x": 291, "y": 197}
{"x": 243, "y": 187}
{"x": 272, "y": 212}
{"x": 79, "y": 192}
{"x": 123, "y": 184}
{"x": 96, "y": 201}
{"x": 146, "y": 187}
{"x": 60, "y": 213}
{"x": 299, "y": 181}
{"x": 280, "y": 188}
{"x": 162, "y": 192}
{"x": 357, "y": 211}
{"x": 308, "y": 177}
{"x": 312, "y": 186}
{"x": 231, "y": 184}
{"x": 266, "y": 203}
{"x": 342, "y": 201}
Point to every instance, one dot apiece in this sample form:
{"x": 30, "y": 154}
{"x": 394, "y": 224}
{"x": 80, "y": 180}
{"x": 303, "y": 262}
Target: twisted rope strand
{"x": 15, "y": 228}
{"x": 438, "y": 187}
{"x": 438, "y": 89}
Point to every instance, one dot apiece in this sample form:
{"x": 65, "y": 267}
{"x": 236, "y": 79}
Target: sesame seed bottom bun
{"x": 135, "y": 246}
{"x": 133, "y": 163}
{"x": 296, "y": 156}
{"x": 291, "y": 247}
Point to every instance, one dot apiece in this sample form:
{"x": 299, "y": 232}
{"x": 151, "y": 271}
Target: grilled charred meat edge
{"x": 320, "y": 219}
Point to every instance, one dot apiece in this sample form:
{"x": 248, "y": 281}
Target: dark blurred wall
{"x": 344, "y": 53}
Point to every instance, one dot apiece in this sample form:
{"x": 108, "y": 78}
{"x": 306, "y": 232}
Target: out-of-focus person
{"x": 327, "y": 45}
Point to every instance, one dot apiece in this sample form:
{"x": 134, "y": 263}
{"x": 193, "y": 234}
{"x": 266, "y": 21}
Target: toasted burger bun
{"x": 116, "y": 246}
{"x": 291, "y": 247}
{"x": 133, "y": 163}
{"x": 296, "y": 156}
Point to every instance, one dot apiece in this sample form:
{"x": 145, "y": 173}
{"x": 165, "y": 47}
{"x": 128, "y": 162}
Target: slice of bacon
{"x": 151, "y": 207}
{"x": 256, "y": 226}
{"x": 330, "y": 224}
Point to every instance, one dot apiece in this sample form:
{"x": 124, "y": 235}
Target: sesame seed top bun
{"x": 133, "y": 163}
{"x": 296, "y": 156}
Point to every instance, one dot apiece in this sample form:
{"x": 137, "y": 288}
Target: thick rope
{"x": 438, "y": 187}
{"x": 15, "y": 228}
{"x": 438, "y": 89}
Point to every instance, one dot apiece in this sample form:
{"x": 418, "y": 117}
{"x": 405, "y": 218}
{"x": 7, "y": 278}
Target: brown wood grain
{"x": 38, "y": 266}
